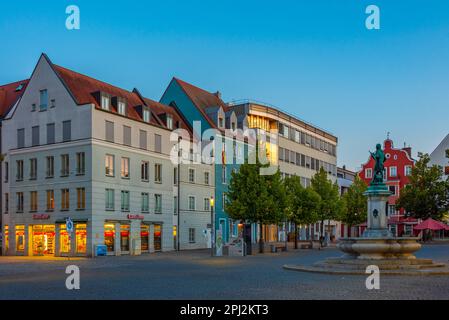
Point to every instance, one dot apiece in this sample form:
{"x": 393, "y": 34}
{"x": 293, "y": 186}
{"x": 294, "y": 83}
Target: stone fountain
{"x": 377, "y": 246}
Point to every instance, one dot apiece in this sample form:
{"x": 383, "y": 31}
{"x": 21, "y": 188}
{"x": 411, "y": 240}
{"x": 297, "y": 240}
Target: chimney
{"x": 408, "y": 150}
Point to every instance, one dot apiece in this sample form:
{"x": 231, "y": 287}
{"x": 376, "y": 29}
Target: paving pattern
{"x": 195, "y": 275}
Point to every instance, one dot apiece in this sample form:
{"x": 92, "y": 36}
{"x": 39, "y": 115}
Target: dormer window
{"x": 121, "y": 107}
{"x": 146, "y": 114}
{"x": 43, "y": 100}
{"x": 105, "y": 102}
{"x": 169, "y": 121}
{"x": 220, "y": 122}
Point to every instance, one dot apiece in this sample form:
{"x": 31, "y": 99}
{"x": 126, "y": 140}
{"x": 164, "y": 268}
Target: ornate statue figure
{"x": 379, "y": 158}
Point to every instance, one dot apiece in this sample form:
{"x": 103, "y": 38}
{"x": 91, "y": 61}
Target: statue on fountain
{"x": 379, "y": 158}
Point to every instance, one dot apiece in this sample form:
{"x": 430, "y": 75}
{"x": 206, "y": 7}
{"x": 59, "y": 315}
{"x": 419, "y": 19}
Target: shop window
{"x": 81, "y": 238}
{"x": 6, "y": 232}
{"x": 43, "y": 237}
{"x": 109, "y": 237}
{"x": 124, "y": 237}
{"x": 144, "y": 240}
{"x": 20, "y": 238}
{"x": 64, "y": 239}
{"x": 157, "y": 237}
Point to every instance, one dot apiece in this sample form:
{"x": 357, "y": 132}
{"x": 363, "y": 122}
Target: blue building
{"x": 211, "y": 112}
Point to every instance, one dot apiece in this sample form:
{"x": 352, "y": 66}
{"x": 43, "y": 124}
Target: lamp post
{"x": 212, "y": 227}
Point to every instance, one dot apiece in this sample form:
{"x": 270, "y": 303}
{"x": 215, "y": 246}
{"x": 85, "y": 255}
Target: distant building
{"x": 345, "y": 179}
{"x": 440, "y": 156}
{"x": 398, "y": 168}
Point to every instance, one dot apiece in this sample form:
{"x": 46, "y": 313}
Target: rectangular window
{"x": 50, "y": 200}
{"x": 43, "y": 99}
{"x": 408, "y": 171}
{"x": 158, "y": 143}
{"x": 143, "y": 143}
{"x": 391, "y": 210}
{"x": 175, "y": 204}
{"x": 6, "y": 202}
{"x": 109, "y": 131}
{"x": 191, "y": 203}
{"x": 20, "y": 138}
{"x": 35, "y": 136}
{"x": 81, "y": 198}
{"x": 109, "y": 199}
{"x": 223, "y": 174}
{"x": 158, "y": 173}
{"x": 80, "y": 163}
{"x": 19, "y": 165}
{"x": 392, "y": 190}
{"x": 65, "y": 199}
{"x": 33, "y": 169}
{"x": 145, "y": 168}
{"x": 157, "y": 203}
{"x": 33, "y": 201}
{"x": 146, "y": 115}
{"x": 67, "y": 131}
{"x": 124, "y": 171}
{"x": 175, "y": 175}
{"x": 65, "y": 165}
{"x": 145, "y": 202}
{"x": 109, "y": 165}
{"x": 191, "y": 175}
{"x": 125, "y": 200}
{"x": 50, "y": 133}
{"x": 191, "y": 235}
{"x": 393, "y": 172}
{"x": 368, "y": 173}
{"x": 6, "y": 171}
{"x": 105, "y": 102}
{"x": 121, "y": 108}
{"x": 127, "y": 136}
{"x": 206, "y": 178}
{"x": 169, "y": 122}
{"x": 19, "y": 206}
{"x": 206, "y": 204}
{"x": 224, "y": 201}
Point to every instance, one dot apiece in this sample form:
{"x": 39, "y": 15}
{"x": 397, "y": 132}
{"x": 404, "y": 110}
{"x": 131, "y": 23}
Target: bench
{"x": 277, "y": 247}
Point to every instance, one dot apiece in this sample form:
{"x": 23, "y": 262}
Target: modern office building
{"x": 298, "y": 148}
{"x": 79, "y": 148}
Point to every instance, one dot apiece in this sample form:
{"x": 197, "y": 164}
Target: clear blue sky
{"x": 314, "y": 59}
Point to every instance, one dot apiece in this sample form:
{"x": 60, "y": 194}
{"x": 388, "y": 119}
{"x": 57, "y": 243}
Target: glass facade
{"x": 43, "y": 237}
{"x": 109, "y": 237}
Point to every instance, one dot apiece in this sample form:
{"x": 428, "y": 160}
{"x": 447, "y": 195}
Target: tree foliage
{"x": 302, "y": 203}
{"x": 355, "y": 203}
{"x": 427, "y": 194}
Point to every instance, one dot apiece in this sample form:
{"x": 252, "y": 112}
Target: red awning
{"x": 431, "y": 224}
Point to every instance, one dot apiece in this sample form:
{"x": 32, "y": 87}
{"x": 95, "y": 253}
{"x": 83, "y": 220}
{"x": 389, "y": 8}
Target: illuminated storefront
{"x": 109, "y": 237}
{"x": 64, "y": 240}
{"x": 144, "y": 240}
{"x": 6, "y": 238}
{"x": 81, "y": 238}
{"x": 20, "y": 239}
{"x": 157, "y": 237}
{"x": 124, "y": 238}
{"x": 43, "y": 240}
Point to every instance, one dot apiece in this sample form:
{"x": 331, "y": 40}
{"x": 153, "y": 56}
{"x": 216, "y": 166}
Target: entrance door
{"x": 157, "y": 237}
{"x": 43, "y": 240}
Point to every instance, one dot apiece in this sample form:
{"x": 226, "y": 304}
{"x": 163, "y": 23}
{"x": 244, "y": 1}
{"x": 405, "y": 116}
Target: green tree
{"x": 355, "y": 203}
{"x": 302, "y": 204}
{"x": 256, "y": 198}
{"x": 427, "y": 194}
{"x": 330, "y": 205}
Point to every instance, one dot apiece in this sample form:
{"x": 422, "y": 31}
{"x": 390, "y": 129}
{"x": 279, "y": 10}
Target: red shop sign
{"x": 41, "y": 216}
{"x": 135, "y": 217}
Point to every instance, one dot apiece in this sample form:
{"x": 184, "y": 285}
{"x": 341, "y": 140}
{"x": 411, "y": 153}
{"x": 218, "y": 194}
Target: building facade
{"x": 398, "y": 168}
{"x": 345, "y": 179}
{"x": 440, "y": 156}
{"x": 79, "y": 148}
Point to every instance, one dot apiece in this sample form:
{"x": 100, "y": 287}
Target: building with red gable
{"x": 398, "y": 168}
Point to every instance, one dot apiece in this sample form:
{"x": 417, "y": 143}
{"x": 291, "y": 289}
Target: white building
{"x": 440, "y": 156}
{"x": 81, "y": 148}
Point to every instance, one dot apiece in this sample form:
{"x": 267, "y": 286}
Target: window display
{"x": 81, "y": 238}
{"x": 124, "y": 237}
{"x": 64, "y": 239}
{"x": 144, "y": 233}
{"x": 20, "y": 238}
{"x": 109, "y": 237}
{"x": 157, "y": 237}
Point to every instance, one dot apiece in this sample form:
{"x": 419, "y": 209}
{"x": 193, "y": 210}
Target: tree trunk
{"x": 322, "y": 234}
{"x": 296, "y": 236}
{"x": 261, "y": 243}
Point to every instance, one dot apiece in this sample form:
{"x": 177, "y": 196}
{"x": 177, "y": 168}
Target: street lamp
{"x": 212, "y": 227}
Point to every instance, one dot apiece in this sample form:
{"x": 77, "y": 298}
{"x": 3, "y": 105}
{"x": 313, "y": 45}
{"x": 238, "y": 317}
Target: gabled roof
{"x": 202, "y": 99}
{"x": 83, "y": 87}
{"x": 9, "y": 94}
